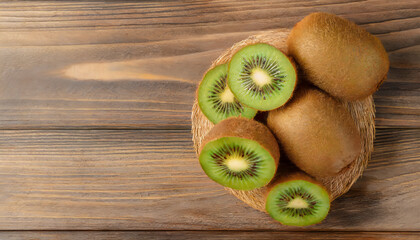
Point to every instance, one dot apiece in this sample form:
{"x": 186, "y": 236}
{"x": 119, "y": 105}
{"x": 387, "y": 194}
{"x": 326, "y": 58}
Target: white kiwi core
{"x": 260, "y": 77}
{"x": 297, "y": 203}
{"x": 237, "y": 164}
{"x": 227, "y": 96}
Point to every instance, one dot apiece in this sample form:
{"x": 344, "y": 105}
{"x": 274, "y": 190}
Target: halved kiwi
{"x": 216, "y": 100}
{"x": 261, "y": 76}
{"x": 297, "y": 200}
{"x": 240, "y": 153}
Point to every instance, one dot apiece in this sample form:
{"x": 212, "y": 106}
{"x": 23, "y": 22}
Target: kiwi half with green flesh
{"x": 216, "y": 100}
{"x": 240, "y": 153}
{"x": 297, "y": 200}
{"x": 338, "y": 56}
{"x": 261, "y": 76}
{"x": 316, "y": 132}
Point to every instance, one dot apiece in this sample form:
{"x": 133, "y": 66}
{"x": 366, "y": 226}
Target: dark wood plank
{"x": 135, "y": 65}
{"x": 187, "y": 235}
{"x": 151, "y": 180}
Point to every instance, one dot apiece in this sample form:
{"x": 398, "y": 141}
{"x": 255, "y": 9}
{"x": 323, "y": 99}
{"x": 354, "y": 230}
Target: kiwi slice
{"x": 261, "y": 76}
{"x": 316, "y": 132}
{"x": 240, "y": 153}
{"x": 338, "y": 56}
{"x": 216, "y": 100}
{"x": 297, "y": 200}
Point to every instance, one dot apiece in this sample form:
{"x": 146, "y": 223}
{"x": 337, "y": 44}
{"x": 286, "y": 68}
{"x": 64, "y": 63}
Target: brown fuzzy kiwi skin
{"x": 316, "y": 132}
{"x": 294, "y": 175}
{"x": 244, "y": 128}
{"x": 338, "y": 56}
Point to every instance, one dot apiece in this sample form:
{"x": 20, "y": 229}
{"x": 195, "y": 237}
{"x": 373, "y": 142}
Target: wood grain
{"x": 187, "y": 235}
{"x": 151, "y": 180}
{"x": 135, "y": 65}
{"x": 71, "y": 68}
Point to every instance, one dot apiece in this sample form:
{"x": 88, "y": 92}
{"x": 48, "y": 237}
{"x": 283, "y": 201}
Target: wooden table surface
{"x": 95, "y": 104}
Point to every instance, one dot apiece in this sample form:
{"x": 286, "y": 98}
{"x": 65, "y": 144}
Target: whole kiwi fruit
{"x": 240, "y": 153}
{"x": 338, "y": 56}
{"x": 316, "y": 132}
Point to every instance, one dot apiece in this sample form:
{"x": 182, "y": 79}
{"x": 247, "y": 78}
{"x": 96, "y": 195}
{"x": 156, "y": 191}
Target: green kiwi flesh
{"x": 215, "y": 99}
{"x": 237, "y": 163}
{"x": 240, "y": 153}
{"x": 338, "y": 56}
{"x": 297, "y": 201}
{"x": 261, "y": 76}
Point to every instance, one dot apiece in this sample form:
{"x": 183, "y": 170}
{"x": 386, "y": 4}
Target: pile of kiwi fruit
{"x": 278, "y": 122}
